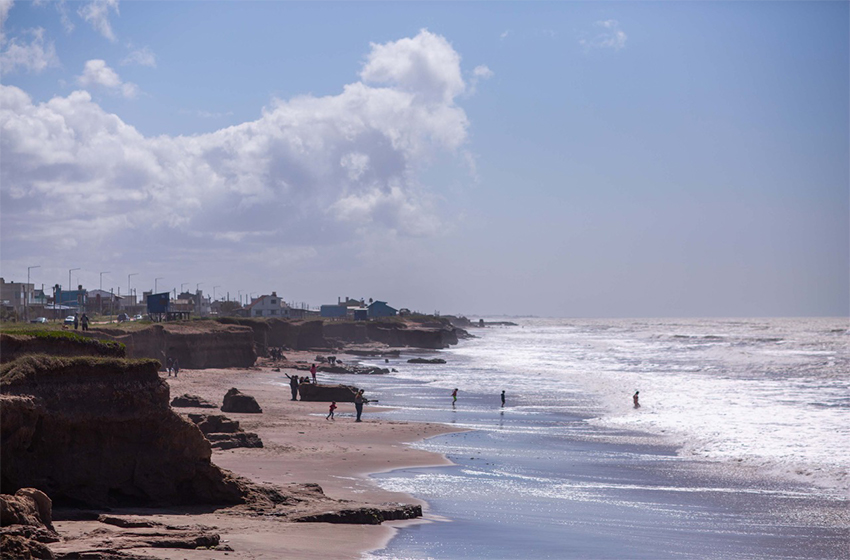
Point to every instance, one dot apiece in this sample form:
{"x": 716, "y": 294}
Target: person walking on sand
{"x": 293, "y": 386}
{"x": 176, "y": 367}
{"x": 503, "y": 398}
{"x": 169, "y": 364}
{"x": 84, "y": 320}
{"x": 635, "y": 399}
{"x": 331, "y": 409}
{"x": 454, "y": 396}
{"x": 313, "y": 373}
{"x": 359, "y": 399}
{"x": 76, "y": 321}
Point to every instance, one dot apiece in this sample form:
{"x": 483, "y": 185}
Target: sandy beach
{"x": 300, "y": 446}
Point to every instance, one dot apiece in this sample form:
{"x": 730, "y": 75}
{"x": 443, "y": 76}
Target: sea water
{"x": 740, "y": 448}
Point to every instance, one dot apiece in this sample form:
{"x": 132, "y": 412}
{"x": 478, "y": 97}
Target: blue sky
{"x": 563, "y": 159}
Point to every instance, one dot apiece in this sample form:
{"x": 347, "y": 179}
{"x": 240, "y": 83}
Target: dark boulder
{"x": 234, "y": 401}
{"x": 327, "y": 393}
{"x": 194, "y": 401}
{"x": 224, "y": 433}
{"x": 426, "y": 361}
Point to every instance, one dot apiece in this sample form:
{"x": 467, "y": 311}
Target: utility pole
{"x": 155, "y": 283}
{"x": 69, "y": 282}
{"x": 214, "y": 287}
{"x": 27, "y": 295}
{"x": 101, "y": 278}
{"x": 181, "y": 287}
{"x": 129, "y": 291}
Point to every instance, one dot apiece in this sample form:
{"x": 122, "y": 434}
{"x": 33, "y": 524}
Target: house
{"x": 381, "y": 309}
{"x": 268, "y": 306}
{"x": 16, "y": 295}
{"x": 101, "y": 300}
{"x": 333, "y": 311}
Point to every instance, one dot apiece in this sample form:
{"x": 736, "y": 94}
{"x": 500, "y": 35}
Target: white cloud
{"x": 425, "y": 65}
{"x": 142, "y": 57}
{"x": 480, "y": 72}
{"x": 310, "y": 171}
{"x": 97, "y": 73}
{"x": 5, "y": 6}
{"x": 609, "y": 37}
{"x": 96, "y": 13}
{"x": 505, "y": 34}
{"x": 33, "y": 56}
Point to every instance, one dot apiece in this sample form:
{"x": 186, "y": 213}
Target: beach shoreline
{"x": 299, "y": 446}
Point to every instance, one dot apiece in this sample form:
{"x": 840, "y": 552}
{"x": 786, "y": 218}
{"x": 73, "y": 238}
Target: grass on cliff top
{"x": 59, "y": 334}
{"x": 40, "y": 365}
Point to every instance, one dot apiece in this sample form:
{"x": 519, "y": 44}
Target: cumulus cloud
{"x": 97, "y": 73}
{"x": 309, "y": 171}
{"x": 33, "y": 55}
{"x": 142, "y": 57}
{"x": 96, "y": 13}
{"x": 610, "y": 36}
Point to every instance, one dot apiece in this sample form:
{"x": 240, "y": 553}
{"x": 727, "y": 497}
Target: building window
{"x": 274, "y": 311}
{"x": 272, "y": 301}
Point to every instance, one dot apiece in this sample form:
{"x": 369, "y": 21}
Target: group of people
{"x": 276, "y": 353}
{"x": 359, "y": 401}
{"x": 172, "y": 366}
{"x": 84, "y": 321}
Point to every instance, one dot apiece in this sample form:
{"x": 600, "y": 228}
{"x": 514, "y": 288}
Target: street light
{"x": 27, "y": 298}
{"x": 128, "y": 282}
{"x": 214, "y": 287}
{"x": 101, "y": 278}
{"x": 155, "y": 284}
{"x": 69, "y": 277}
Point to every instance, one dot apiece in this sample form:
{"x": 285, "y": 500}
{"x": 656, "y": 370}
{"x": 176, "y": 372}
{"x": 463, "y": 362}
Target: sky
{"x": 563, "y": 159}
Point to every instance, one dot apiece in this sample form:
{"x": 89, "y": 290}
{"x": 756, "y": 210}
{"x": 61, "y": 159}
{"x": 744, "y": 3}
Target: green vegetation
{"x": 41, "y": 333}
{"x": 44, "y": 366}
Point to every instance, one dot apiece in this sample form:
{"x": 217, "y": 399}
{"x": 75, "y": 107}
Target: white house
{"x": 268, "y": 306}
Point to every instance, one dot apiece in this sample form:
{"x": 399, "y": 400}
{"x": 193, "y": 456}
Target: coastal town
{"x": 23, "y": 302}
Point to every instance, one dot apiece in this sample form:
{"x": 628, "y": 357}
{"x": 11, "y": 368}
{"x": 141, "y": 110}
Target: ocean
{"x": 740, "y": 449}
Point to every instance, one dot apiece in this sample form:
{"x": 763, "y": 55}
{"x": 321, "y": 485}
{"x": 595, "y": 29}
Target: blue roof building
{"x": 381, "y": 309}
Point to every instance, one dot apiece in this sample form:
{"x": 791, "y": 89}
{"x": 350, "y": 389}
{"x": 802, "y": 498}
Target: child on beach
{"x": 331, "y": 409}
{"x": 635, "y": 399}
{"x": 454, "y": 396}
{"x": 313, "y": 373}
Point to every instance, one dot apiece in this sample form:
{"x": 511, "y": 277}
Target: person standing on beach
{"x": 76, "y": 321}
{"x": 313, "y": 373}
{"x": 503, "y": 398}
{"x": 331, "y": 409}
{"x": 454, "y": 396}
{"x": 359, "y": 399}
{"x": 176, "y": 367}
{"x": 635, "y": 399}
{"x": 85, "y": 322}
{"x": 169, "y": 363}
{"x": 293, "y": 386}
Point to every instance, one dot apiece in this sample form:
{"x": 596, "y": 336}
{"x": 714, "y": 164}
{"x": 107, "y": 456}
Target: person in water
{"x": 454, "y": 396}
{"x": 503, "y": 398}
{"x": 635, "y": 399}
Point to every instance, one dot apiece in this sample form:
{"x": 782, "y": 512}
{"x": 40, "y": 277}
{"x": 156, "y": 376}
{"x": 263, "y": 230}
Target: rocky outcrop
{"x": 224, "y": 433}
{"x": 365, "y": 515}
{"x": 195, "y": 345}
{"x": 56, "y": 343}
{"x": 282, "y": 333}
{"x": 235, "y": 401}
{"x": 192, "y": 401}
{"x": 27, "y": 523}
{"x": 100, "y": 432}
{"x": 327, "y": 393}
{"x": 426, "y": 361}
